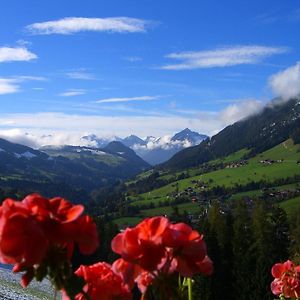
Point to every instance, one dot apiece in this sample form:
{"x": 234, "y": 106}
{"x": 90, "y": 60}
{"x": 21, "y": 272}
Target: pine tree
{"x": 243, "y": 267}
{"x": 281, "y": 233}
{"x": 264, "y": 251}
{"x": 202, "y": 288}
{"x": 295, "y": 236}
{"x": 219, "y": 249}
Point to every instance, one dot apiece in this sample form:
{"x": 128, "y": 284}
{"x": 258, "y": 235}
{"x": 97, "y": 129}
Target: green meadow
{"x": 228, "y": 177}
{"x": 285, "y": 155}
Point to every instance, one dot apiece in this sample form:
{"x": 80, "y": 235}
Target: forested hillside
{"x": 274, "y": 124}
{"x": 73, "y": 172}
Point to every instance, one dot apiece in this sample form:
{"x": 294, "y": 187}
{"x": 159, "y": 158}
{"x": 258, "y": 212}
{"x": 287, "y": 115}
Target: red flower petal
{"x": 278, "y": 270}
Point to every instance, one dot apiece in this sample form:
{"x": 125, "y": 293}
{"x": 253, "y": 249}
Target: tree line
{"x": 244, "y": 242}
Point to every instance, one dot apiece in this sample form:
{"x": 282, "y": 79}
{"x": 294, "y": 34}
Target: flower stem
{"x": 55, "y": 294}
{"x": 190, "y": 293}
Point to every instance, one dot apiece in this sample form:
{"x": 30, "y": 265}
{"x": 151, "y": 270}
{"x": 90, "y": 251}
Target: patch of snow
{"x": 98, "y": 152}
{"x": 93, "y": 151}
{"x": 26, "y": 154}
{"x": 1, "y": 150}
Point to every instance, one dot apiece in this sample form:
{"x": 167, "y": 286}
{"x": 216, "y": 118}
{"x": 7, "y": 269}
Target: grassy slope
{"x": 254, "y": 171}
{"x": 232, "y": 157}
{"x": 254, "y": 193}
{"x": 106, "y": 158}
{"x": 291, "y": 205}
{"x": 166, "y": 210}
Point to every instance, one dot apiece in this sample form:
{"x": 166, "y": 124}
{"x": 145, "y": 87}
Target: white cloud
{"x": 9, "y": 54}
{"x": 238, "y": 111}
{"x": 29, "y": 78}
{"x": 23, "y": 43}
{"x": 127, "y": 99}
{"x": 165, "y": 142}
{"x": 73, "y": 25}
{"x": 8, "y": 86}
{"x": 60, "y": 128}
{"x": 73, "y": 92}
{"x": 222, "y": 57}
{"x": 12, "y": 84}
{"x": 286, "y": 84}
{"x": 81, "y": 75}
{"x": 19, "y": 137}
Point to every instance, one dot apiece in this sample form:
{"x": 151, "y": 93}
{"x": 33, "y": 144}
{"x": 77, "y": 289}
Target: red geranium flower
{"x": 128, "y": 271}
{"x": 287, "y": 280}
{"x": 39, "y": 207}
{"x": 64, "y": 211}
{"x": 144, "y": 280}
{"x": 87, "y": 236}
{"x": 37, "y": 230}
{"x": 63, "y": 222}
{"x": 155, "y": 249}
{"x": 21, "y": 237}
{"x": 102, "y": 283}
{"x": 152, "y": 229}
{"x": 189, "y": 250}
{"x": 143, "y": 244}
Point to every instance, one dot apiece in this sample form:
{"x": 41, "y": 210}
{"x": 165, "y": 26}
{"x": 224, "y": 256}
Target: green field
{"x": 232, "y": 157}
{"x": 285, "y": 156}
{"x": 158, "y": 211}
{"x": 253, "y": 171}
{"x": 166, "y": 210}
{"x": 291, "y": 205}
{"x": 257, "y": 193}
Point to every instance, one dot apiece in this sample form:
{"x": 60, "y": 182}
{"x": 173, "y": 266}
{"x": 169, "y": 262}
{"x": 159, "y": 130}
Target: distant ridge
{"x": 273, "y": 125}
{"x": 154, "y": 150}
{"x": 71, "y": 171}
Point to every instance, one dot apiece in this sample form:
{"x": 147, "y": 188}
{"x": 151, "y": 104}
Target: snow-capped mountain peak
{"x": 189, "y": 135}
{"x": 152, "y": 149}
{"x": 156, "y": 150}
{"x": 132, "y": 140}
{"x": 150, "y": 138}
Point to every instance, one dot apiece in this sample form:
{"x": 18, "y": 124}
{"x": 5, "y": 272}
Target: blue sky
{"x": 69, "y": 68}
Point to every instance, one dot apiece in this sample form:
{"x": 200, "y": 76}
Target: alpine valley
{"x": 261, "y": 151}
{"x": 70, "y": 171}
{"x": 254, "y": 158}
{"x": 76, "y": 171}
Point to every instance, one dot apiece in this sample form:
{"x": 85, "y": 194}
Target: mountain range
{"x": 154, "y": 150}
{"x": 75, "y": 171}
{"x": 70, "y": 171}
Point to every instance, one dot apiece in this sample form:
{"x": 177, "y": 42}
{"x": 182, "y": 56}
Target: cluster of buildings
{"x": 270, "y": 161}
{"x": 236, "y": 164}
